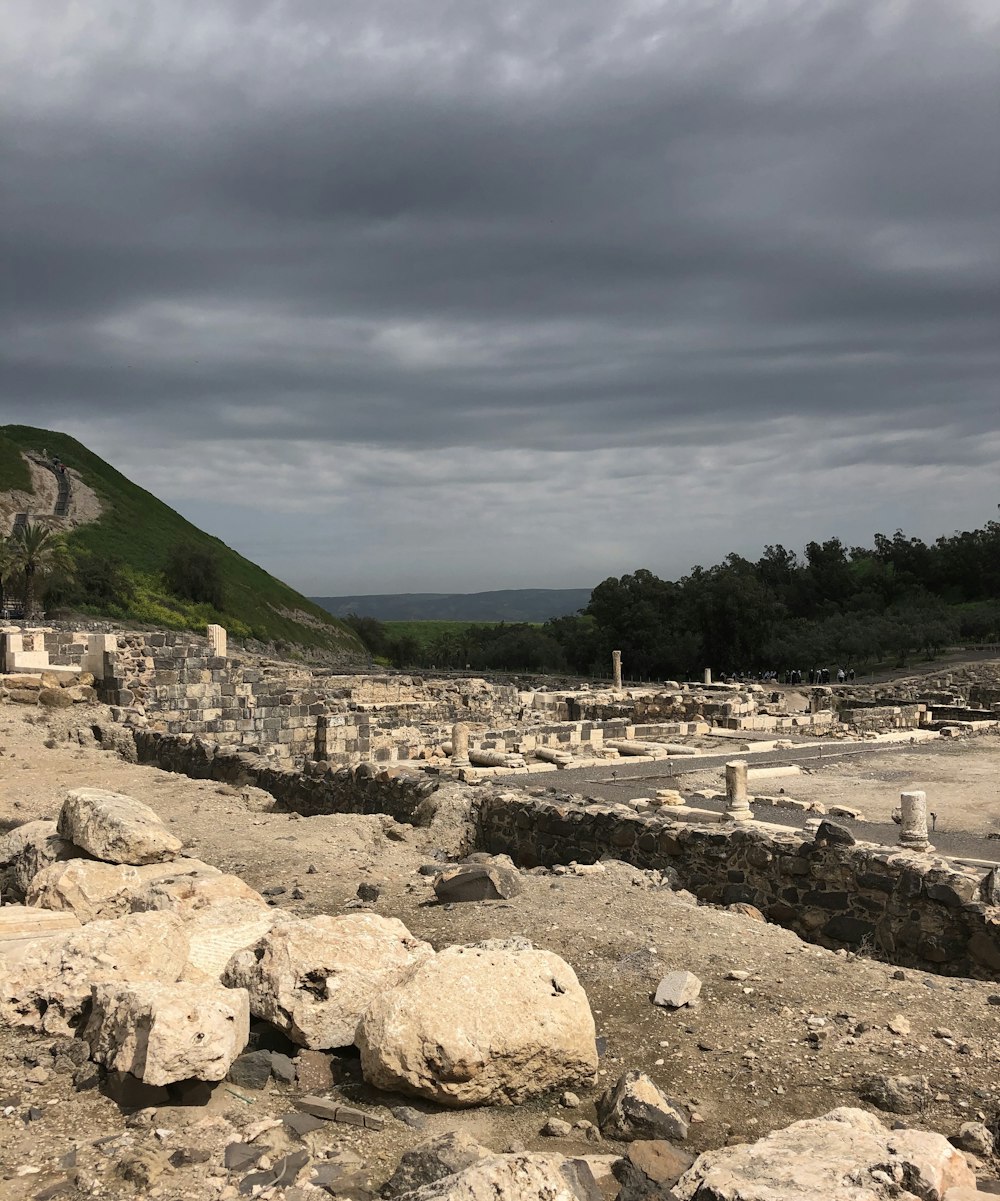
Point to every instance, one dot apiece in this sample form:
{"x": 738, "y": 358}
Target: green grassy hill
{"x": 140, "y": 531}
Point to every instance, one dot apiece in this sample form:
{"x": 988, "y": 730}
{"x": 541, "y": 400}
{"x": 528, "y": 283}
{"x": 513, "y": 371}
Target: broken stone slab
{"x": 314, "y": 978}
{"x": 283, "y": 1173}
{"x": 116, "y": 828}
{"x": 634, "y": 1108}
{"x": 478, "y": 882}
{"x": 25, "y": 851}
{"x": 50, "y": 987}
{"x": 492, "y": 1024}
{"x": 677, "y": 989}
{"x": 524, "y": 1176}
{"x": 845, "y": 1155}
{"x": 432, "y": 1160}
{"x": 96, "y": 890}
{"x": 331, "y": 1111}
{"x": 163, "y": 1033}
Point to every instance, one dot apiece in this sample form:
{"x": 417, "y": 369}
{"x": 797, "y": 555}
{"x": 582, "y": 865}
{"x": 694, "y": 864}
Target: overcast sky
{"x": 447, "y": 295}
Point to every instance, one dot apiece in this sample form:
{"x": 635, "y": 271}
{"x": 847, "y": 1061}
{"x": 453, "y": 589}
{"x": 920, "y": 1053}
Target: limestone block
{"x": 494, "y": 1024}
{"x": 93, "y": 890}
{"x": 50, "y": 986}
{"x": 25, "y": 851}
{"x": 22, "y": 928}
{"x": 187, "y": 889}
{"x": 314, "y": 978}
{"x": 168, "y": 1032}
{"x": 116, "y": 828}
{"x": 829, "y": 1158}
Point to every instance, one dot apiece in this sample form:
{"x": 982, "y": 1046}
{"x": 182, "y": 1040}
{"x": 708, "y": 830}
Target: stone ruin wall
{"x": 909, "y": 909}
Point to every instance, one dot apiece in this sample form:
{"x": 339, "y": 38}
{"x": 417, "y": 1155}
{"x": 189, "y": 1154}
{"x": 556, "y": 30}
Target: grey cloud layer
{"x": 557, "y": 225}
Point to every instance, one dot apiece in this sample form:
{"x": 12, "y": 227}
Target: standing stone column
{"x": 217, "y": 641}
{"x": 913, "y": 827}
{"x": 737, "y": 799}
{"x": 460, "y": 745}
{"x": 616, "y": 663}
{"x": 708, "y": 675}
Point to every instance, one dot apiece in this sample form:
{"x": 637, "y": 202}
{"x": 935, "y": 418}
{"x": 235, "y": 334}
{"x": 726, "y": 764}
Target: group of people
{"x": 815, "y": 675}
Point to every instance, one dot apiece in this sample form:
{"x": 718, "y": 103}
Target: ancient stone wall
{"x": 911, "y": 909}
{"x": 363, "y": 788}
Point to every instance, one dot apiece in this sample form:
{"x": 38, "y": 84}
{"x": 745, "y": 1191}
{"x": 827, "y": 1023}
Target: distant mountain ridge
{"x": 509, "y": 604}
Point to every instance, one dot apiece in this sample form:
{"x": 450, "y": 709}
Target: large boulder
{"x": 315, "y": 978}
{"x": 162, "y": 1033}
{"x": 49, "y": 987}
{"x": 492, "y": 1024}
{"x": 845, "y": 1155}
{"x": 94, "y": 890}
{"x": 116, "y": 828}
{"x": 521, "y": 1177}
{"x": 25, "y": 851}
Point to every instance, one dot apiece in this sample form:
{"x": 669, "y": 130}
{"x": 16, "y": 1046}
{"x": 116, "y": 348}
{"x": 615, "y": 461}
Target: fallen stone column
{"x": 479, "y": 758}
{"x": 551, "y": 754}
{"x": 628, "y": 746}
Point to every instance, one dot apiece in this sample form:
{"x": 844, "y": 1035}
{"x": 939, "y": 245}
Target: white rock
{"x": 845, "y": 1155}
{"x": 491, "y": 1024}
{"x": 522, "y": 1177}
{"x": 168, "y": 1032}
{"x": 25, "y": 851}
{"x": 50, "y": 986}
{"x": 116, "y": 828}
{"x": 677, "y": 989}
{"x": 94, "y": 890}
{"x": 314, "y": 978}
{"x": 899, "y": 1025}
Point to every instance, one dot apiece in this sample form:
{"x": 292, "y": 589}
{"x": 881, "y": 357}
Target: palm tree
{"x": 37, "y": 552}
{"x": 6, "y": 568}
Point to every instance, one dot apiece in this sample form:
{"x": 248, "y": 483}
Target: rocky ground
{"x": 781, "y": 1031}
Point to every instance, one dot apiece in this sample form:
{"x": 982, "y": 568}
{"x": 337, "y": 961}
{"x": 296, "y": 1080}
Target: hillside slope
{"x": 140, "y": 531}
{"x": 511, "y": 604}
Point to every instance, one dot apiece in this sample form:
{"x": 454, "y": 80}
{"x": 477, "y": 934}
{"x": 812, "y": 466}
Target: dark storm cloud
{"x": 549, "y": 227}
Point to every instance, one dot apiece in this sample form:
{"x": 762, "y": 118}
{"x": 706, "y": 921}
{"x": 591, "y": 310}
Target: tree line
{"x": 831, "y": 606}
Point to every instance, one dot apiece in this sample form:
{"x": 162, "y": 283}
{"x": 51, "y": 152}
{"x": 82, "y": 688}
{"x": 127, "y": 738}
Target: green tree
{"x": 194, "y": 573}
{"x": 36, "y": 553}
